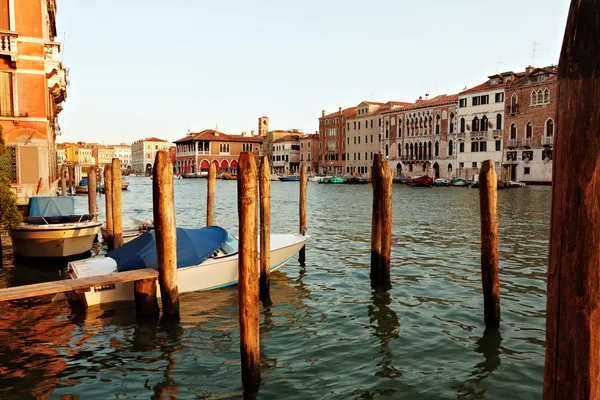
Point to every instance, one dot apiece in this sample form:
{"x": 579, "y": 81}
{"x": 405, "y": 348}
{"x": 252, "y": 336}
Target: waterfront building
{"x": 143, "y": 153}
{"x": 481, "y": 124}
{"x": 33, "y": 83}
{"x": 103, "y": 154}
{"x": 196, "y": 151}
{"x": 269, "y": 137}
{"x": 368, "y": 133}
{"x": 309, "y": 152}
{"x": 419, "y": 139}
{"x": 332, "y": 135}
{"x": 530, "y": 126}
{"x": 79, "y": 153}
{"x": 286, "y": 155}
{"x": 122, "y": 151}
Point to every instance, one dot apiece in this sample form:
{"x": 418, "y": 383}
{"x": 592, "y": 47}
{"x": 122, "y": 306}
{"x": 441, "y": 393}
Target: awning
{"x": 216, "y": 164}
{"x": 234, "y": 164}
{"x": 224, "y": 164}
{"x": 204, "y": 165}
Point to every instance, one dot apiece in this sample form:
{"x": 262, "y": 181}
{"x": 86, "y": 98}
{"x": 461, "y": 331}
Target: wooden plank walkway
{"x": 68, "y": 285}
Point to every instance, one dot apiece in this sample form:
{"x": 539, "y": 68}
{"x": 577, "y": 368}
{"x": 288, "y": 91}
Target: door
{"x": 436, "y": 168}
{"x": 513, "y": 172}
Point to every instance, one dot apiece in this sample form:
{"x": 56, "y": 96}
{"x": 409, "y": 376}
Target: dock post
{"x": 376, "y": 179}
{"x": 265, "y": 228}
{"x": 146, "y": 304}
{"x": 386, "y": 226}
{"x": 210, "y": 195}
{"x": 109, "y": 205}
{"x": 248, "y": 279}
{"x": 92, "y": 207}
{"x": 488, "y": 210}
{"x": 63, "y": 180}
{"x": 572, "y": 366}
{"x": 302, "y": 211}
{"x": 117, "y": 198}
{"x": 166, "y": 234}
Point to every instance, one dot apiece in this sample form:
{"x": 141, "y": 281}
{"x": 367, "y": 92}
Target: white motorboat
{"x": 207, "y": 259}
{"x": 274, "y": 177}
{"x": 53, "y": 230}
{"x": 132, "y": 228}
{"x": 317, "y": 178}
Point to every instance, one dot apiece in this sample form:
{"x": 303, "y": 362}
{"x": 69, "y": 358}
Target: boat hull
{"x": 81, "y": 189}
{"x": 214, "y": 273}
{"x": 60, "y": 240}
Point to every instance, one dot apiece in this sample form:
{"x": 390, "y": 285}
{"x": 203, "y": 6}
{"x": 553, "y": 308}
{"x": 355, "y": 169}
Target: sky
{"x": 140, "y": 68}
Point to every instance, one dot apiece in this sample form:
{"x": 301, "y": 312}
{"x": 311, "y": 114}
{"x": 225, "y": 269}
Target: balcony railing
{"x": 460, "y": 136}
{"x": 497, "y": 133}
{"x": 547, "y": 140}
{"x": 51, "y": 51}
{"x": 477, "y": 135}
{"x": 512, "y": 143}
{"x": 8, "y": 44}
{"x": 527, "y": 142}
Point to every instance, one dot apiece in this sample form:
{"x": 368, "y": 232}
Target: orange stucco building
{"x": 33, "y": 85}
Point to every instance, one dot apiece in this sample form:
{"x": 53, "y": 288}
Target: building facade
{"x": 286, "y": 155}
{"x": 123, "y": 152}
{"x": 422, "y": 137}
{"x": 196, "y": 151}
{"x": 530, "y": 126}
{"x": 103, "y": 155}
{"x": 332, "y": 132}
{"x": 309, "y": 152}
{"x": 33, "y": 85}
{"x": 143, "y": 153}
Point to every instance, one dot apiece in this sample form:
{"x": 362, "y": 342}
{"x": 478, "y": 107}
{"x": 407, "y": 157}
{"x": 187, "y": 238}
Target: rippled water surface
{"x": 327, "y": 333}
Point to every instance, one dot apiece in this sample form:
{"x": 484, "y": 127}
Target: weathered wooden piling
{"x": 166, "y": 234}
{"x": 70, "y": 178}
{"x": 117, "y": 198}
{"x": 248, "y": 278}
{"x": 302, "y": 208}
{"x": 92, "y": 207}
{"x": 210, "y": 195}
{"x": 265, "y": 228}
{"x": 108, "y": 203}
{"x": 488, "y": 210}
{"x": 384, "y": 279}
{"x": 572, "y": 367}
{"x": 63, "y": 180}
{"x": 146, "y": 303}
{"x": 376, "y": 178}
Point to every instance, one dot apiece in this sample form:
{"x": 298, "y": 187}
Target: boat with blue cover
{"x": 52, "y": 229}
{"x": 289, "y": 178}
{"x": 207, "y": 258}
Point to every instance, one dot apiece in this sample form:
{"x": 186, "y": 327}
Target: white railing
{"x": 51, "y": 51}
{"x": 547, "y": 140}
{"x": 477, "y": 135}
{"x": 527, "y": 142}
{"x": 460, "y": 136}
{"x": 497, "y": 132}
{"x": 193, "y": 153}
{"x": 512, "y": 143}
{"x": 8, "y": 42}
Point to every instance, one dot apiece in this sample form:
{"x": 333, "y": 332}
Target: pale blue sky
{"x": 156, "y": 68}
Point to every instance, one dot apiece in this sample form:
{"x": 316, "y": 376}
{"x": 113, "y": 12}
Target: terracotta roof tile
{"x": 212, "y": 135}
{"x": 348, "y": 113}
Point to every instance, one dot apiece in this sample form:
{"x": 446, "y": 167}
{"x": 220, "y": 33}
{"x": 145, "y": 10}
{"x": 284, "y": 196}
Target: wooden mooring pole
{"x": 210, "y": 195}
{"x": 488, "y": 210}
{"x": 302, "y": 210}
{"x": 265, "y": 228}
{"x": 63, "y": 180}
{"x": 109, "y": 205}
{"x": 117, "y": 198}
{"x": 381, "y": 223}
{"x": 92, "y": 207}
{"x": 572, "y": 367}
{"x": 248, "y": 278}
{"x": 163, "y": 197}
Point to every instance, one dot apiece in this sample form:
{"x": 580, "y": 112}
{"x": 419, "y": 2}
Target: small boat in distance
{"x": 52, "y": 229}
{"x": 132, "y": 228}
{"x": 275, "y": 177}
{"x": 356, "y": 181}
{"x": 229, "y": 177}
{"x": 459, "y": 182}
{"x": 332, "y": 180}
{"x": 207, "y": 259}
{"x": 82, "y": 187}
{"x": 441, "y": 182}
{"x": 515, "y": 184}
{"x": 290, "y": 178}
{"x": 421, "y": 181}
{"x": 194, "y": 175}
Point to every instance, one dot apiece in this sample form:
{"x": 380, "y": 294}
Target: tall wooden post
{"x": 210, "y": 195}
{"x": 92, "y": 207}
{"x": 265, "y": 228}
{"x": 376, "y": 178}
{"x": 386, "y": 225}
{"x": 302, "y": 211}
{"x": 146, "y": 303}
{"x": 117, "y": 198}
{"x": 572, "y": 368}
{"x": 248, "y": 278}
{"x": 109, "y": 205}
{"x": 166, "y": 233}
{"x": 70, "y": 179}
{"x": 488, "y": 211}
{"x": 63, "y": 180}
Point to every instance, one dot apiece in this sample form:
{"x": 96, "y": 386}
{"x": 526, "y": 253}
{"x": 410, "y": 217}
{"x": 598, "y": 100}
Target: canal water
{"x": 327, "y": 333}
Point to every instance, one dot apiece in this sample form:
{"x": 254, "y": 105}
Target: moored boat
{"x": 441, "y": 182}
{"x": 421, "y": 181}
{"x": 207, "y": 258}
{"x": 290, "y": 178}
{"x": 229, "y": 177}
{"x": 459, "y": 182}
{"x": 52, "y": 229}
{"x": 82, "y": 187}
{"x": 132, "y": 228}
{"x": 332, "y": 180}
{"x": 515, "y": 184}
{"x": 356, "y": 181}
{"x": 194, "y": 175}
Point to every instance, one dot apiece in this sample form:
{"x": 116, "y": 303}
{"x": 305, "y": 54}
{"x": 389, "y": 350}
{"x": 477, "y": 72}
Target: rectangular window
{"x": 366, "y": 139}
{"x": 474, "y": 165}
{"x": 498, "y": 145}
{"x": 462, "y": 147}
{"x": 354, "y": 125}
{"x": 358, "y": 156}
{"x": 348, "y": 125}
{"x": 371, "y": 156}
{"x": 380, "y": 138}
{"x": 358, "y": 124}
{"x": 461, "y": 165}
{"x": 527, "y": 170}
{"x": 354, "y": 140}
{"x": 499, "y": 97}
{"x": 348, "y": 138}
{"x": 359, "y": 140}
{"x": 308, "y": 156}
{"x": 366, "y": 156}
{"x": 379, "y": 121}
{"x": 354, "y": 154}
{"x": 485, "y": 99}
{"x": 462, "y": 103}
{"x": 371, "y": 122}
{"x": 6, "y": 97}
{"x": 475, "y": 101}
{"x": 474, "y": 147}
{"x": 483, "y": 146}
{"x": 371, "y": 138}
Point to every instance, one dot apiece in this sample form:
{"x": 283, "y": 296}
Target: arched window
{"x": 387, "y": 151}
{"x": 540, "y": 97}
{"x": 533, "y": 98}
{"x": 420, "y": 151}
{"x": 437, "y": 149}
{"x": 450, "y": 148}
{"x": 513, "y": 131}
{"x": 450, "y": 168}
{"x": 475, "y": 125}
{"x": 451, "y": 122}
{"x": 513, "y": 104}
{"x": 462, "y": 125}
{"x": 547, "y": 96}
{"x": 484, "y": 123}
{"x": 429, "y": 148}
{"x": 412, "y": 151}
{"x": 399, "y": 130}
{"x": 550, "y": 128}
{"x": 529, "y": 130}
{"x": 499, "y": 121}
{"x": 407, "y": 153}
{"x": 399, "y": 150}
{"x": 437, "y": 125}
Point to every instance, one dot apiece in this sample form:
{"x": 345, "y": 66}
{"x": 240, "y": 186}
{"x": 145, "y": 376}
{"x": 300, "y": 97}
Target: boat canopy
{"x": 47, "y": 206}
{"x": 194, "y": 246}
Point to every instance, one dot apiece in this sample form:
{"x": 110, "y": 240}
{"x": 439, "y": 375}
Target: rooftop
{"x": 213, "y": 135}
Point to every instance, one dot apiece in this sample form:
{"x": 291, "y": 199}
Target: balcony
{"x": 496, "y": 133}
{"x": 8, "y": 44}
{"x": 52, "y": 51}
{"x": 477, "y": 135}
{"x": 460, "y": 136}
{"x": 547, "y": 140}
{"x": 512, "y": 143}
{"x": 527, "y": 142}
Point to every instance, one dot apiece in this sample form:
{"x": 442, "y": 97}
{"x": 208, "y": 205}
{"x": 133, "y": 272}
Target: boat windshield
{"x": 229, "y": 248}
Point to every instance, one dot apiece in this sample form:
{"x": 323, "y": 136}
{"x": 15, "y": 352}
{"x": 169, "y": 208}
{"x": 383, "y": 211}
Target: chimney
{"x": 252, "y": 133}
{"x": 340, "y": 110}
{"x": 529, "y": 69}
{"x": 420, "y": 98}
{"x": 426, "y": 96}
{"x": 322, "y": 113}
{"x": 189, "y": 133}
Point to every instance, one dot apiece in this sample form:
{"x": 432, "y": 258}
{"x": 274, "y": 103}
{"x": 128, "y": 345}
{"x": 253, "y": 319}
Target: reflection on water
{"x": 327, "y": 334}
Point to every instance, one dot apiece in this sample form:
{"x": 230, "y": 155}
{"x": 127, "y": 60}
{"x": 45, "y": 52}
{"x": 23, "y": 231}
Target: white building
{"x": 481, "y": 124}
{"x": 143, "y": 153}
{"x": 286, "y": 155}
{"x": 123, "y": 153}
